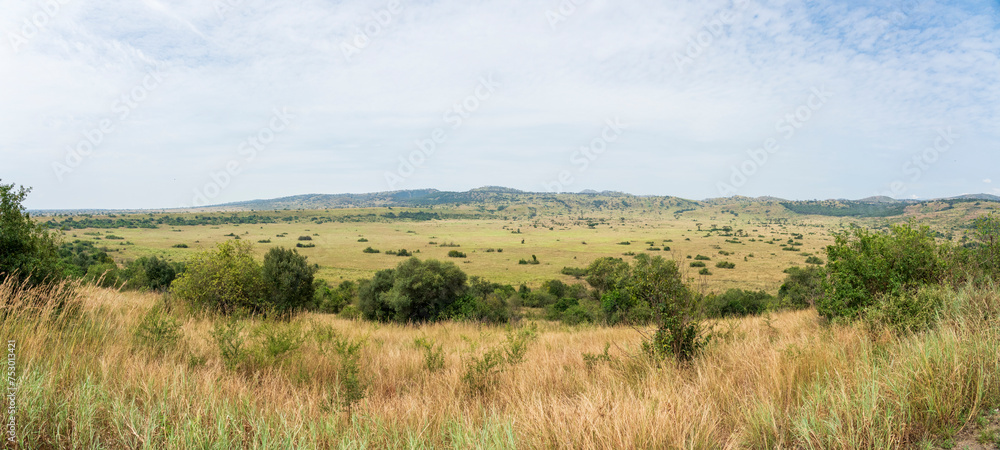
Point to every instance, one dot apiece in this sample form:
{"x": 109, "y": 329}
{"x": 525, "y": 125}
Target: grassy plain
{"x": 557, "y": 241}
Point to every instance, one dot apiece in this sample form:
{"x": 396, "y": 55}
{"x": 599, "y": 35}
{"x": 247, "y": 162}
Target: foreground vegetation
{"x": 89, "y": 379}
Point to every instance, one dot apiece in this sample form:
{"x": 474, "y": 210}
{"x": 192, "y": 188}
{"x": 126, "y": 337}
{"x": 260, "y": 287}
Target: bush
{"x": 370, "y": 250}
{"x": 27, "y": 250}
{"x": 865, "y": 266}
{"x": 228, "y": 337}
{"x": 148, "y": 273}
{"x": 574, "y": 272}
{"x": 802, "y": 288}
{"x": 180, "y": 246}
{"x": 704, "y": 271}
{"x": 433, "y": 354}
{"x": 456, "y": 254}
{"x": 225, "y": 280}
{"x": 702, "y": 258}
{"x": 738, "y": 303}
{"x": 697, "y": 264}
{"x": 333, "y": 301}
{"x": 533, "y": 260}
{"x": 725, "y": 265}
{"x": 158, "y": 331}
{"x": 815, "y": 260}
{"x": 301, "y": 245}
{"x": 305, "y": 238}
{"x": 491, "y": 308}
{"x": 907, "y": 312}
{"x": 538, "y": 299}
{"x": 288, "y": 280}
{"x": 415, "y": 291}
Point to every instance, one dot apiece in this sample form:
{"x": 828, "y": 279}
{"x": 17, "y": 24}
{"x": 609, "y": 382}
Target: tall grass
{"x": 785, "y": 381}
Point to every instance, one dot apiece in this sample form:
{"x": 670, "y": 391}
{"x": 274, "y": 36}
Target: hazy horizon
{"x": 157, "y": 104}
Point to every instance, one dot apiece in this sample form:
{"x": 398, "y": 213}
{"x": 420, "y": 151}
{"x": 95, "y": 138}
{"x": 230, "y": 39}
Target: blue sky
{"x": 156, "y": 103}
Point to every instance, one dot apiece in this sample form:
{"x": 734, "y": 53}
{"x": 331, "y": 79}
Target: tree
{"x": 415, "y": 291}
{"x": 226, "y": 279}
{"x": 288, "y": 279}
{"x": 675, "y": 308}
{"x": 27, "y": 250}
{"x": 607, "y": 274}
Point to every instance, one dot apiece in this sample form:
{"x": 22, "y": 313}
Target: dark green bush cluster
{"x": 456, "y": 254}
{"x": 424, "y": 291}
{"x": 802, "y": 288}
{"x": 738, "y": 303}
{"x": 725, "y": 265}
{"x": 575, "y": 272}
{"x": 229, "y": 279}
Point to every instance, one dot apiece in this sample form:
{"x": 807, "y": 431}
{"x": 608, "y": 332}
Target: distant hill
{"x": 494, "y": 199}
{"x": 985, "y": 197}
{"x": 486, "y": 197}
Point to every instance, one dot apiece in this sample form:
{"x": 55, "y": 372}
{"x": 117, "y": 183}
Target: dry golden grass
{"x": 779, "y": 381}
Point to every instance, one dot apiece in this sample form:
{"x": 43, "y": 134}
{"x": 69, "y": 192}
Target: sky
{"x": 161, "y": 104}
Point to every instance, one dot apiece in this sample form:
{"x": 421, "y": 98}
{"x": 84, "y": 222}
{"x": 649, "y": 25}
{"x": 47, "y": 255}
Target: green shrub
{"x": 288, "y": 281}
{"x": 725, "y": 265}
{"x": 574, "y": 272}
{"x": 702, "y": 258}
{"x": 802, "y": 287}
{"x": 738, "y": 303}
{"x": 864, "y": 266}
{"x": 456, "y": 254}
{"x": 149, "y": 273}
{"x": 907, "y": 312}
{"x": 433, "y": 354}
{"x": 481, "y": 372}
{"x": 353, "y": 385}
{"x": 333, "y": 301}
{"x": 351, "y": 312}
{"x": 370, "y": 250}
{"x": 301, "y": 245}
{"x": 677, "y": 338}
{"x": 180, "y": 246}
{"x": 225, "y": 279}
{"x": 697, "y": 264}
{"x": 814, "y": 260}
{"x": 278, "y": 341}
{"x": 158, "y": 331}
{"x": 538, "y": 299}
{"x": 491, "y": 308}
{"x": 704, "y": 271}
{"x": 228, "y": 337}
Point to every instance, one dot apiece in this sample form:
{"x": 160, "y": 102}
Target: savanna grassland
{"x": 755, "y": 240}
{"x": 88, "y": 379}
{"x": 115, "y": 368}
